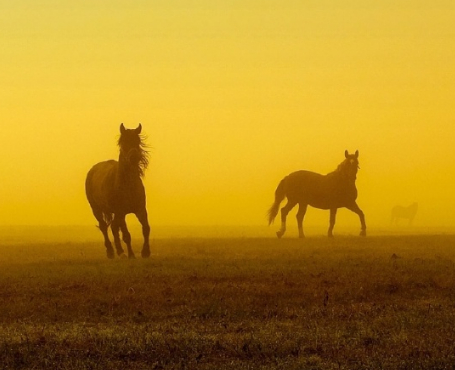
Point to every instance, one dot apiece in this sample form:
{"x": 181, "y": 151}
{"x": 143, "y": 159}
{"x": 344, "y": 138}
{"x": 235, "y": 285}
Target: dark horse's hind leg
{"x": 284, "y": 212}
{"x": 355, "y": 208}
{"x": 103, "y": 226}
{"x": 143, "y": 219}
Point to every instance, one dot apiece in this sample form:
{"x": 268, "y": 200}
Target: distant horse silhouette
{"x": 114, "y": 189}
{"x": 332, "y": 191}
{"x": 404, "y": 212}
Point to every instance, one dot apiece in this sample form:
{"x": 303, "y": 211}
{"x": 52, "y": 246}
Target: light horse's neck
{"x": 345, "y": 172}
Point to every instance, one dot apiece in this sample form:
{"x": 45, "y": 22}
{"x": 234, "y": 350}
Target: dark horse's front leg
{"x": 355, "y": 208}
{"x": 143, "y": 219}
{"x": 127, "y": 238}
{"x": 103, "y": 226}
{"x": 115, "y": 226}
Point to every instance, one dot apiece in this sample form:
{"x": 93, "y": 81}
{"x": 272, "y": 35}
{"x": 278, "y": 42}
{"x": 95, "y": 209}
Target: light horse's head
{"x": 350, "y": 165}
{"x": 132, "y": 148}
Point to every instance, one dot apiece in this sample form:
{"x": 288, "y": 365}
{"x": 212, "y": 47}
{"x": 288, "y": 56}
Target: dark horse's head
{"x": 132, "y": 148}
{"x": 350, "y": 165}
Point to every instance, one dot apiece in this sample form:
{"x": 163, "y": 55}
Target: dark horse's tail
{"x": 280, "y": 194}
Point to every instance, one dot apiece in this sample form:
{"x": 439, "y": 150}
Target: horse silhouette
{"x": 115, "y": 189}
{"x": 332, "y": 191}
{"x": 404, "y": 212}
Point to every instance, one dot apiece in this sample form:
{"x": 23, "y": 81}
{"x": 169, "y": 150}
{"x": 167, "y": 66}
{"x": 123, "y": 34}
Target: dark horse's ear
{"x": 346, "y": 153}
{"x": 139, "y": 129}
{"x": 122, "y": 129}
{"x": 357, "y": 154}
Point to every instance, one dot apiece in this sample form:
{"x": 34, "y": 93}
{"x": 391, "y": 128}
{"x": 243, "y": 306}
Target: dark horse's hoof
{"x": 110, "y": 254}
{"x": 279, "y": 234}
{"x": 145, "y": 253}
{"x": 363, "y": 233}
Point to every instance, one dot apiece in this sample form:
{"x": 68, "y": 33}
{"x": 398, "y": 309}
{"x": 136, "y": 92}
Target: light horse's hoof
{"x": 122, "y": 255}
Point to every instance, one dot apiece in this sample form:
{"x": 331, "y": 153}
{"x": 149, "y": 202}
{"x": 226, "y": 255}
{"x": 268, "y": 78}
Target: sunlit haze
{"x": 232, "y": 96}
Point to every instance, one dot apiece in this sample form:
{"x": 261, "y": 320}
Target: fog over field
{"x": 232, "y": 96}
{"x": 38, "y": 235}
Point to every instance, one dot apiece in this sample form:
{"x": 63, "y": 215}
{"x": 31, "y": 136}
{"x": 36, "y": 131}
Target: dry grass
{"x": 347, "y": 303}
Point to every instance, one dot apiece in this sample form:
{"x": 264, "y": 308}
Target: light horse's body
{"x": 332, "y": 191}
{"x": 404, "y": 212}
{"x": 114, "y": 189}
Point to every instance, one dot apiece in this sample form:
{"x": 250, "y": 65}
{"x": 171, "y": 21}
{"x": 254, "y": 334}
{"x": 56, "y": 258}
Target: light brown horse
{"x": 115, "y": 189}
{"x": 332, "y": 191}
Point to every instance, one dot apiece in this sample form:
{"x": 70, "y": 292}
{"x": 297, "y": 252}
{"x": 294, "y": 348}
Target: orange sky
{"x": 233, "y": 96}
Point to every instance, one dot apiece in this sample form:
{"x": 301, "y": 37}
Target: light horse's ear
{"x": 122, "y": 129}
{"x": 346, "y": 153}
{"x": 138, "y": 129}
{"x": 356, "y": 154}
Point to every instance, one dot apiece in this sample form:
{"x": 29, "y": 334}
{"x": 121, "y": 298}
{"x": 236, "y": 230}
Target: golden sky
{"x": 233, "y": 96}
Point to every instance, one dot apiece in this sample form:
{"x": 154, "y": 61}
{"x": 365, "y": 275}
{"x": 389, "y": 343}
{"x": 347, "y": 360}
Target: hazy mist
{"x": 232, "y": 97}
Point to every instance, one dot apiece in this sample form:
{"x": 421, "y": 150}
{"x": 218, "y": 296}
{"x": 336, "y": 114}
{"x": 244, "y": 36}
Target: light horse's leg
{"x": 300, "y": 216}
{"x": 115, "y": 226}
{"x": 284, "y": 212}
{"x": 355, "y": 208}
{"x": 102, "y": 225}
{"x": 411, "y": 219}
{"x": 143, "y": 219}
{"x": 333, "y": 215}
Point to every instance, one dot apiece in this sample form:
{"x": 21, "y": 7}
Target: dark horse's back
{"x": 99, "y": 185}
{"x": 108, "y": 197}
{"x": 319, "y": 191}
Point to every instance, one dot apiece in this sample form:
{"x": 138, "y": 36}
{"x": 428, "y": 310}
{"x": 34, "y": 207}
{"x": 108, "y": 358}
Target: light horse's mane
{"x": 343, "y": 170}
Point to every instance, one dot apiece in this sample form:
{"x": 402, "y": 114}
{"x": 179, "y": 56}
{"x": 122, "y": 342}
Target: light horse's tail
{"x": 280, "y": 194}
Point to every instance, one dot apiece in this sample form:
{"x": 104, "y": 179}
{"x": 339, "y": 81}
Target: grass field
{"x": 381, "y": 302}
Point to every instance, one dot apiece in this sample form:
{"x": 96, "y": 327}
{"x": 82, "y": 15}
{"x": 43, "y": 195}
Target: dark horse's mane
{"x": 143, "y": 152}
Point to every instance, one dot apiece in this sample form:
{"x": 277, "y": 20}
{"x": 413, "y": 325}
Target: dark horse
{"x": 332, "y": 191}
{"x": 114, "y": 189}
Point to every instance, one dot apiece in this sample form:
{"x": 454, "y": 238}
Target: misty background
{"x": 233, "y": 97}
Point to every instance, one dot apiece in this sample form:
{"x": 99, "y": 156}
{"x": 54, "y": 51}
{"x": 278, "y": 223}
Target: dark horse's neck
{"x": 126, "y": 172}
